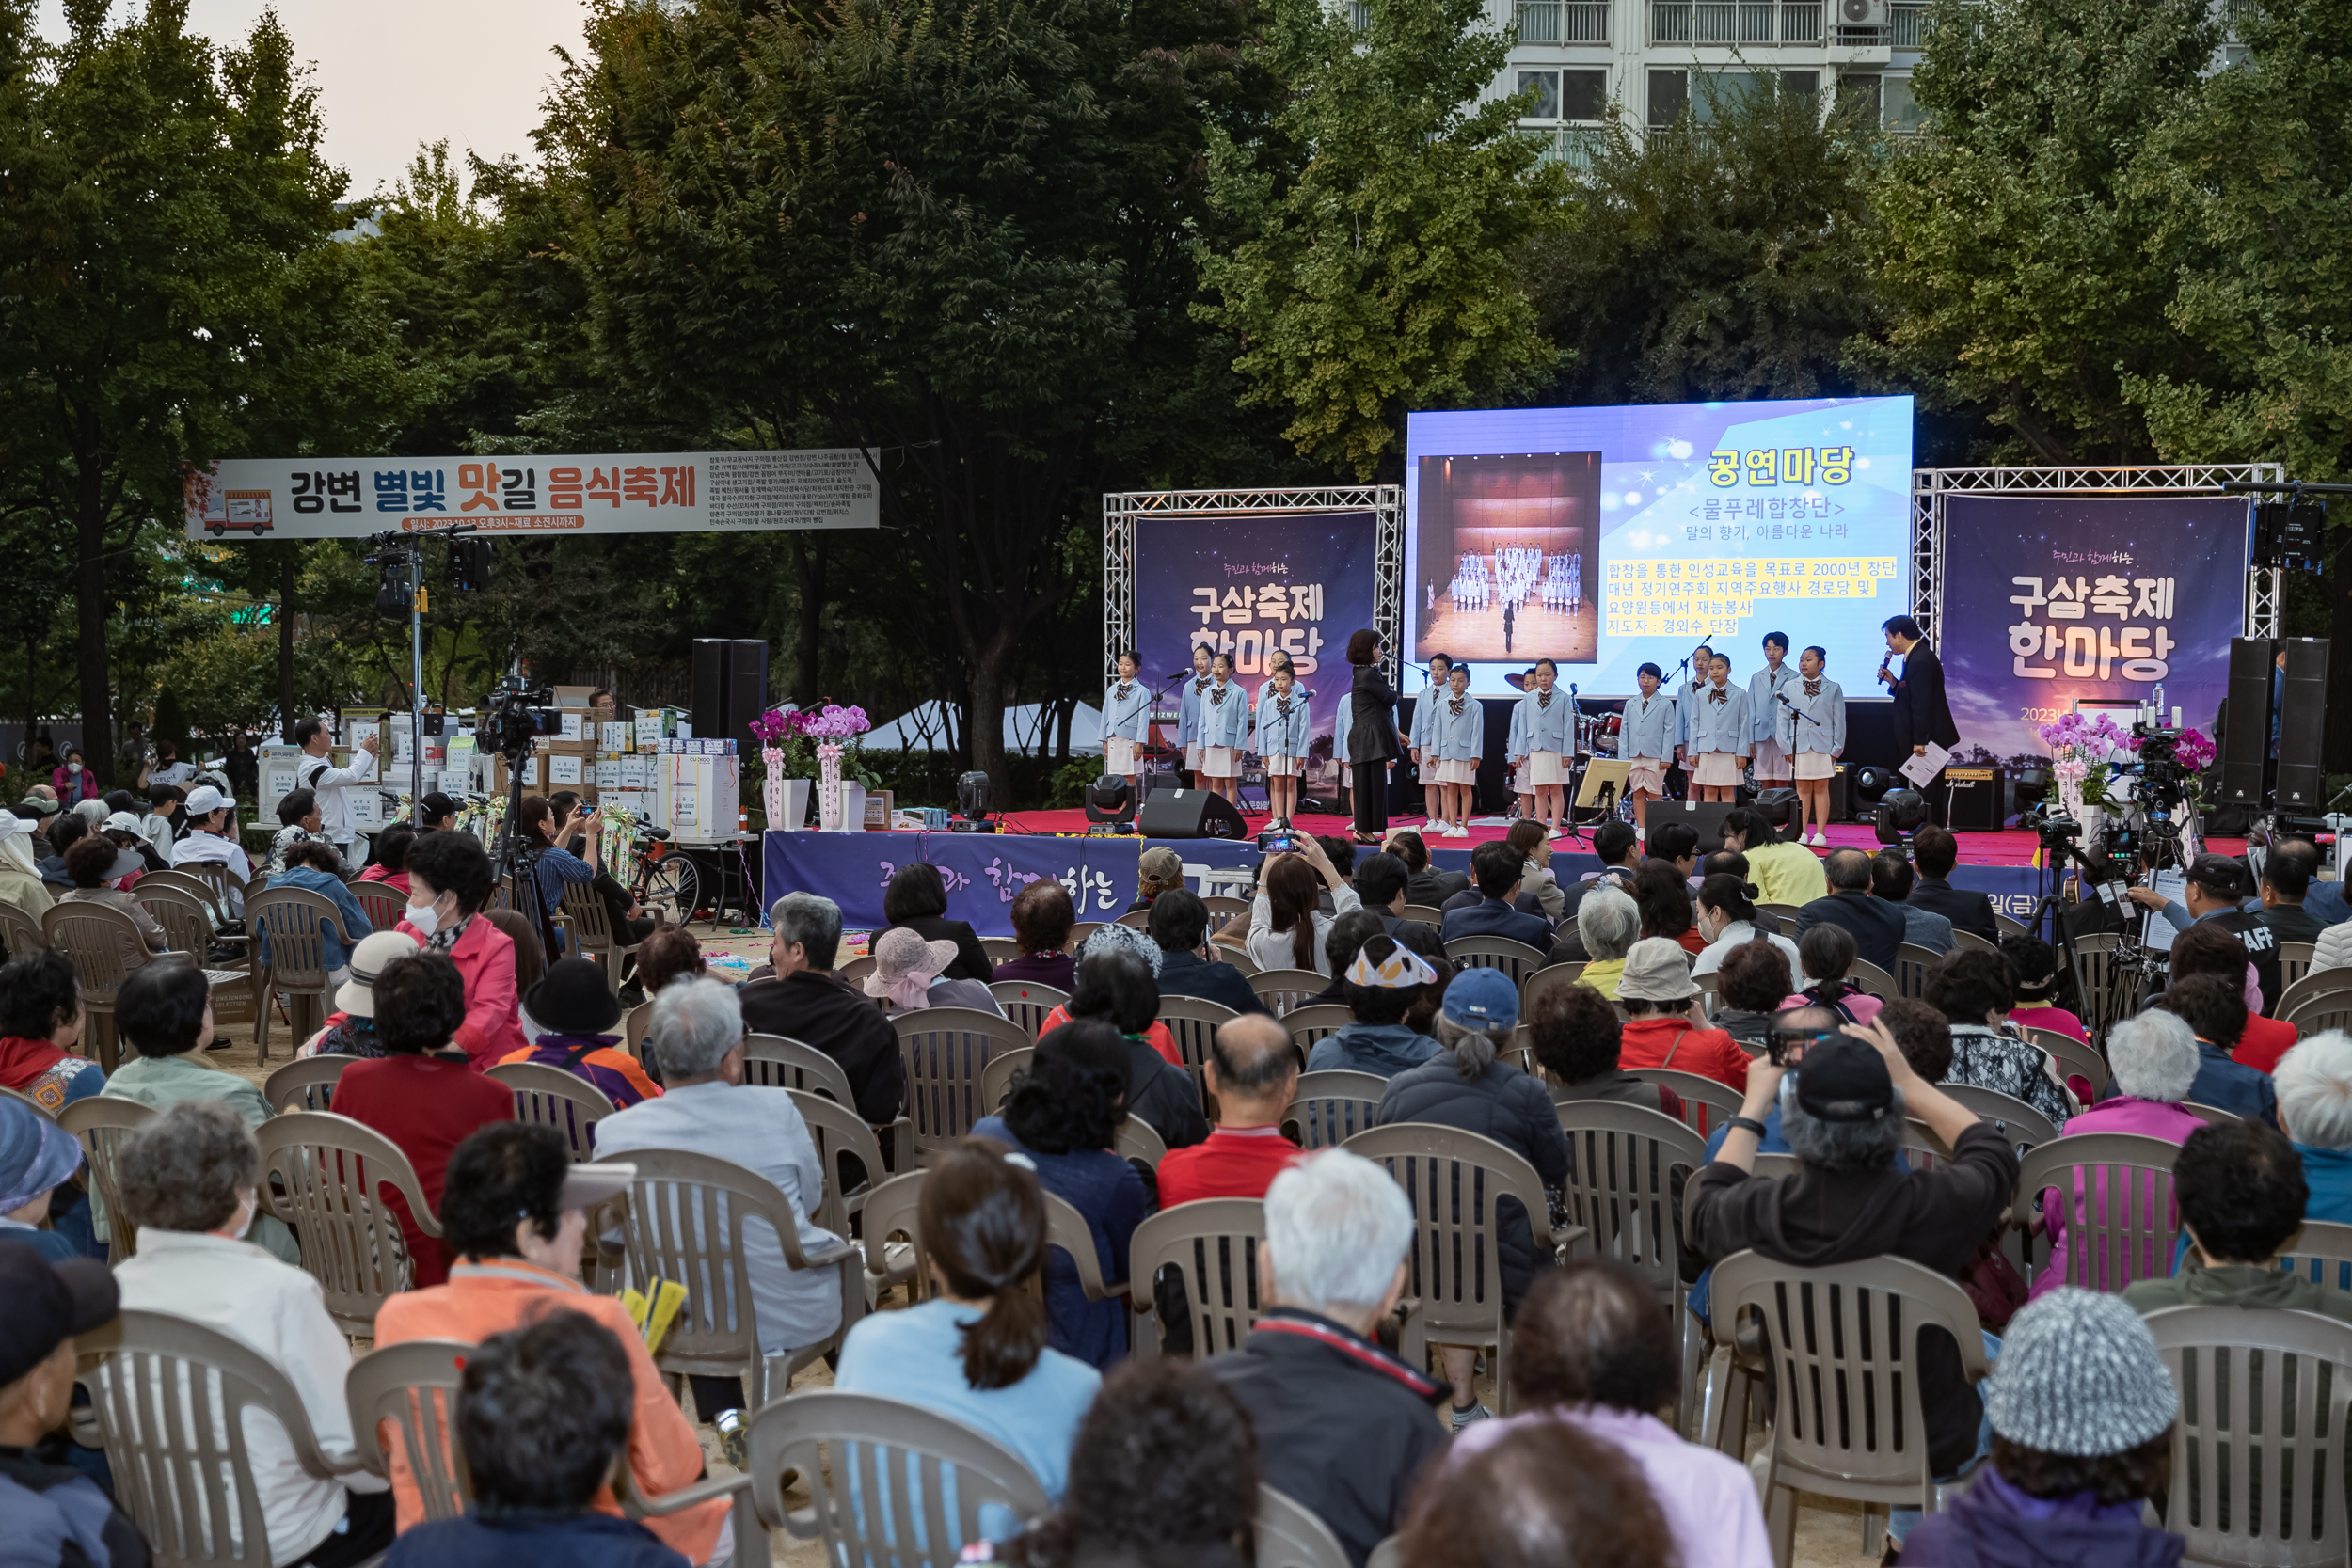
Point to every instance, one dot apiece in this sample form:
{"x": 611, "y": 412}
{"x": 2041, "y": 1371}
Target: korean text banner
{"x": 1249, "y": 584}
{"x": 2052, "y": 598}
{"x": 1606, "y": 538}
{"x": 689, "y": 492}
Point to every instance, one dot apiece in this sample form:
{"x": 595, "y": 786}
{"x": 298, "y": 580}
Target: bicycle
{"x": 663, "y": 874}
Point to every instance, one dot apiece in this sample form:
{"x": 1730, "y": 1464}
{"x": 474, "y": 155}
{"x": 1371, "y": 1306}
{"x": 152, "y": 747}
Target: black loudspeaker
{"x": 747, "y": 692}
{"x": 1704, "y": 816}
{"x": 711, "y": 685}
{"x": 1190, "y": 813}
{"x": 1979, "y": 801}
{"x": 2302, "y": 718}
{"x": 2246, "y": 730}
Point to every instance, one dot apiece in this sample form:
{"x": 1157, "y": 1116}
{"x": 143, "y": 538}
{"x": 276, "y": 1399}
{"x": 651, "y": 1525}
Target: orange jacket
{"x": 1683, "y": 1046}
{"x": 486, "y": 1297}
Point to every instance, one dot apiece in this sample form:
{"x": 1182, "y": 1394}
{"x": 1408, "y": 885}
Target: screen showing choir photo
{"x": 1605, "y": 538}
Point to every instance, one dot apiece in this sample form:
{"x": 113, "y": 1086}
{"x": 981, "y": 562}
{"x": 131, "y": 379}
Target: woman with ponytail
{"x": 976, "y": 1351}
{"x": 1728, "y": 920}
{"x": 1827, "y": 953}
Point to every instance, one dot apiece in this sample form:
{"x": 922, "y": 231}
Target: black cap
{"x": 41, "y": 1304}
{"x": 2219, "y": 874}
{"x": 1844, "y": 1080}
{"x": 573, "y": 999}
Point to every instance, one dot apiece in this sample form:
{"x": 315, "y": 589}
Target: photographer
{"x": 2215, "y": 884}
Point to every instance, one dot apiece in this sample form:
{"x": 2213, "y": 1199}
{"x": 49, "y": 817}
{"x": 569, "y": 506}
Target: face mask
{"x": 1709, "y": 927}
{"x": 73, "y": 768}
{"x": 426, "y": 918}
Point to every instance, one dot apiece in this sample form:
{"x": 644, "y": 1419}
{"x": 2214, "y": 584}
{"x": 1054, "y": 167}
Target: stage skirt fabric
{"x": 1543, "y": 768}
{"x": 1457, "y": 770}
{"x": 1645, "y": 773}
{"x": 1118, "y": 755}
{"x": 1715, "y": 770}
{"x": 1192, "y": 758}
{"x": 1278, "y": 765}
{"x": 1816, "y": 765}
{"x": 1770, "y": 761}
{"x": 1221, "y": 762}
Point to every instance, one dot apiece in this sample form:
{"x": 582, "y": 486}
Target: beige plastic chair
{"x": 2322, "y": 1253}
{"x": 1000, "y": 950}
{"x": 1428, "y": 914}
{"x": 1706, "y": 1101}
{"x": 293, "y": 919}
{"x": 1223, "y": 905}
{"x": 1311, "y": 1023}
{"x": 1456, "y": 1180}
{"x": 1968, "y": 941}
{"x": 945, "y": 1049}
{"x": 323, "y": 1175}
{"x": 27, "y": 1099}
{"x": 550, "y": 1097}
{"x": 1139, "y": 1140}
{"x": 1194, "y": 1021}
{"x": 99, "y": 1123}
{"x": 2139, "y": 1223}
{"x": 1778, "y": 919}
{"x": 2314, "y": 982}
{"x": 1289, "y": 1536}
{"x": 170, "y": 1397}
{"x": 2074, "y": 1058}
{"x": 2020, "y": 1123}
{"x": 1620, "y": 1184}
{"x": 184, "y": 914}
{"x": 2294, "y": 960}
{"x": 2258, "y": 1458}
{"x": 1328, "y": 1108}
{"x": 996, "y": 1078}
{"x": 1213, "y": 1244}
{"x": 2006, "y": 927}
{"x": 1843, "y": 1345}
{"x": 99, "y": 939}
{"x": 1871, "y": 980}
{"x": 1913, "y": 964}
{"x": 1283, "y": 989}
{"x": 1240, "y": 960}
{"x": 838, "y": 1132}
{"x": 2214, "y": 1115}
{"x": 592, "y": 934}
{"x": 2319, "y": 1012}
{"x": 891, "y": 1210}
{"x": 1027, "y": 1003}
{"x": 413, "y": 1385}
{"x": 20, "y": 932}
{"x": 856, "y": 970}
{"x": 1543, "y": 982}
{"x": 385, "y": 906}
{"x": 1515, "y": 959}
{"x": 690, "y": 1219}
{"x": 306, "y": 1084}
{"x": 2106, "y": 995}
{"x": 1083, "y": 929}
{"x": 1137, "y": 919}
{"x": 1066, "y": 1230}
{"x": 778, "y": 1062}
{"x": 634, "y": 1026}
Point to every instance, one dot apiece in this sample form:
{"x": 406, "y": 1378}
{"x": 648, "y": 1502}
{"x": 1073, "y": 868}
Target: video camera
{"x": 2052, "y": 826}
{"x": 2163, "y": 776}
{"x": 513, "y": 713}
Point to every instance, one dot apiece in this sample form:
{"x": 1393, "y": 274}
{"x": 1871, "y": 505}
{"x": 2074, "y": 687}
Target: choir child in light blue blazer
{"x": 1715, "y": 727}
{"x": 1224, "y": 728}
{"x": 1645, "y": 740}
{"x": 1457, "y": 740}
{"x": 1771, "y": 760}
{"x": 1542, "y": 740}
{"x": 1189, "y": 711}
{"x": 1814, "y": 746}
{"x": 1127, "y": 723}
{"x": 1424, "y": 747}
{"x": 1282, "y": 737}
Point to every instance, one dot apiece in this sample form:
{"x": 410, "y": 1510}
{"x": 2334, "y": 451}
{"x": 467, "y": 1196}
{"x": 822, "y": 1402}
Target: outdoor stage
{"x": 984, "y": 871}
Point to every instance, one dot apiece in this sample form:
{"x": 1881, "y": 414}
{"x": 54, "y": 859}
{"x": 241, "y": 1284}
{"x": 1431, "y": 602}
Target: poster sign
{"x": 691, "y": 492}
{"x": 2053, "y": 599}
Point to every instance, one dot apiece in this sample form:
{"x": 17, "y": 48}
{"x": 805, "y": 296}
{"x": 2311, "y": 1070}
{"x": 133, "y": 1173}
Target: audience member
{"x": 60, "y": 835}
{"x": 1180, "y": 924}
{"x": 1891, "y": 879}
{"x": 350, "y": 1029}
{"x": 1728, "y": 920}
{"x": 1971, "y": 990}
{"x": 1591, "y": 1351}
{"x": 1379, "y": 880}
{"x": 697, "y": 1033}
{"x": 802, "y": 999}
{"x": 1750, "y": 986}
{"x": 37, "y": 1161}
{"x": 2285, "y": 881}
{"x": 1577, "y": 1041}
{"x": 911, "y": 974}
{"x": 1468, "y": 1086}
{"x": 122, "y": 830}
{"x": 41, "y": 1020}
{"x": 1678, "y": 843}
{"x": 300, "y": 821}
{"x": 189, "y": 1180}
{"x": 1425, "y": 884}
{"x": 95, "y": 864}
{"x": 1064, "y": 1115}
{"x": 975, "y": 1351}
{"x": 578, "y": 1022}
{"x": 1042, "y": 917}
{"x": 515, "y": 1213}
{"x": 1499, "y": 871}
{"x": 542, "y": 833}
{"x": 2216, "y": 885}
{"x": 543, "y": 1421}
{"x": 2033, "y": 973}
{"x": 1878, "y": 928}
{"x": 2207, "y": 948}
{"x": 1252, "y": 1073}
{"x": 1542, "y": 1496}
{"x": 2082, "y": 1419}
{"x": 1784, "y": 871}
{"x": 1665, "y": 899}
{"x": 160, "y": 825}
{"x": 1342, "y": 1425}
{"x": 211, "y": 836}
{"x": 315, "y": 865}
{"x": 1620, "y": 851}
{"x": 2241, "y": 1193}
{"x": 1608, "y": 922}
{"x": 1540, "y": 892}
{"x": 1665, "y": 1027}
{"x": 1117, "y": 988}
{"x": 1287, "y": 927}
{"x": 1935, "y": 852}
{"x": 1115, "y": 938}
{"x": 2215, "y": 1010}
{"x": 21, "y": 881}
{"x": 1158, "y": 869}
{"x": 57, "y": 1511}
{"x": 1922, "y": 1035}
{"x": 916, "y": 899}
{"x": 1346, "y": 938}
{"x": 439, "y": 811}
{"x": 668, "y": 954}
{"x": 449, "y": 881}
{"x": 390, "y": 866}
{"x": 1383, "y": 984}
{"x": 2315, "y": 1082}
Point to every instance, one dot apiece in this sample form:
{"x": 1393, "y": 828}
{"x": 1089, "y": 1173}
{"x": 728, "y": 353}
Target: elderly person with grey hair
{"x": 1343, "y": 1426}
{"x": 2314, "y": 1082}
{"x": 697, "y": 1033}
{"x": 1850, "y": 1200}
{"x": 1608, "y": 921}
{"x": 190, "y": 1181}
{"x": 800, "y": 997}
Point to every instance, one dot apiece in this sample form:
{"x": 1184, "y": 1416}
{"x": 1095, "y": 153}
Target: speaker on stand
{"x": 2246, "y": 728}
{"x": 2302, "y": 785}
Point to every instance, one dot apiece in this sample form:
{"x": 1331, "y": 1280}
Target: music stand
{"x": 1601, "y": 787}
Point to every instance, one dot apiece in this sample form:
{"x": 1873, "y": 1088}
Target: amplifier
{"x": 1978, "y": 801}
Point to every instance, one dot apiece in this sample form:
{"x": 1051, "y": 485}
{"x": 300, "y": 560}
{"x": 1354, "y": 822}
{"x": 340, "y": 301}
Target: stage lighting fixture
{"x": 1778, "y": 805}
{"x": 1900, "y": 812}
{"x": 1870, "y": 783}
{"x": 1110, "y": 805}
{"x": 972, "y": 804}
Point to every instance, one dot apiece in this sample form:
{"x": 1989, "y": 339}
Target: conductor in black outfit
{"x": 1922, "y": 714}
{"x": 1375, "y": 742}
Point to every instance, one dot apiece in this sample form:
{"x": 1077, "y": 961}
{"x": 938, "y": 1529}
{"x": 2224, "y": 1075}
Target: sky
{"x": 391, "y": 77}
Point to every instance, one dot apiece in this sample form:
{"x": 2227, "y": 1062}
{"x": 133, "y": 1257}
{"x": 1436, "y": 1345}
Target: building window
{"x": 1903, "y": 114}
{"x": 1669, "y": 91}
{"x": 1546, "y": 86}
{"x": 1858, "y": 93}
{"x": 1583, "y": 94}
{"x": 1806, "y": 82}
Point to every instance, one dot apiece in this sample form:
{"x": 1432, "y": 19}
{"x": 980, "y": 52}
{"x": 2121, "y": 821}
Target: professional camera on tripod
{"x": 513, "y": 714}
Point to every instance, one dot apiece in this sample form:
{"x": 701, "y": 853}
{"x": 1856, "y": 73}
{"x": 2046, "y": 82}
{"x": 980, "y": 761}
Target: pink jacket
{"x": 61, "y": 782}
{"x": 2149, "y": 1118}
{"x": 484, "y": 956}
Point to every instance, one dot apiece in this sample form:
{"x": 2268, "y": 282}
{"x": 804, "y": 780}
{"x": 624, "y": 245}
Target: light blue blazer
{"x": 1340, "y": 728}
{"x": 1458, "y": 738}
{"x": 1127, "y": 716}
{"x": 1652, "y": 727}
{"x": 1423, "y": 729}
{"x": 1280, "y": 734}
{"x": 1828, "y": 705}
{"x": 1538, "y": 728}
{"x": 1761, "y": 708}
{"x": 1189, "y": 710}
{"x": 1225, "y": 722}
{"x": 1709, "y": 726}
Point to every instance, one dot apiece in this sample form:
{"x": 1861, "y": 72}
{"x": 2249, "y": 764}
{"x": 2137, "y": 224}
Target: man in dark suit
{"x": 1877, "y": 928}
{"x": 1922, "y": 714}
{"x": 1497, "y": 869}
{"x": 1380, "y": 881}
{"x": 1935, "y": 852}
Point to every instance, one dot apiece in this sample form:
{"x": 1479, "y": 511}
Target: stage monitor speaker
{"x": 747, "y": 692}
{"x": 711, "y": 685}
{"x": 1190, "y": 813}
{"x": 2302, "y": 721}
{"x": 1979, "y": 801}
{"x": 2246, "y": 723}
{"x": 1708, "y": 817}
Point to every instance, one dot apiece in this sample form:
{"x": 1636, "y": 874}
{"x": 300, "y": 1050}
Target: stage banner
{"x": 1249, "y": 584}
{"x": 2049, "y": 600}
{"x": 671, "y": 492}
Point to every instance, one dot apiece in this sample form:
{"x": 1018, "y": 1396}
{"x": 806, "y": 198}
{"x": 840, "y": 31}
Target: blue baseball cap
{"x": 1483, "y": 999}
{"x": 35, "y": 1154}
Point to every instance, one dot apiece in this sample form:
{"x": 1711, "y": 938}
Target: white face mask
{"x": 1709, "y": 927}
{"x": 426, "y": 918}
{"x": 73, "y": 768}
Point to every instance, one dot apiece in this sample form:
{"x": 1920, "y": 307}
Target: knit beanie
{"x": 2079, "y": 1375}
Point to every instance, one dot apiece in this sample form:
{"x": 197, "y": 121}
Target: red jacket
{"x": 1683, "y": 1046}
{"x": 484, "y": 956}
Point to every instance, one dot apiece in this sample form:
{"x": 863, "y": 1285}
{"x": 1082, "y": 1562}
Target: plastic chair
{"x": 2020, "y": 1123}
{"x": 1968, "y": 941}
{"x": 1778, "y": 919}
{"x": 592, "y": 935}
{"x": 550, "y": 1097}
{"x": 27, "y": 1099}
{"x": 1139, "y": 1140}
{"x": 690, "y": 1219}
{"x": 385, "y": 906}
{"x": 891, "y": 1209}
{"x": 1067, "y": 1229}
{"x": 856, "y": 970}
{"x": 1290, "y": 1536}
{"x": 2258, "y": 1458}
{"x": 776, "y": 1062}
{"x": 1456, "y": 1180}
{"x": 634, "y": 1026}
{"x": 1543, "y": 982}
{"x": 20, "y": 932}
{"x": 2322, "y": 1253}
{"x": 413, "y": 1385}
{"x": 293, "y": 919}
{"x": 1330, "y": 1107}
{"x": 1235, "y": 958}
{"x": 99, "y": 941}
{"x": 1913, "y": 964}
{"x": 1212, "y": 1245}
{"x": 2006, "y": 927}
{"x": 2127, "y": 1175}
{"x": 1871, "y": 980}
{"x": 1429, "y": 916}
{"x": 1620, "y": 1187}
{"x": 1224, "y": 904}
{"x": 99, "y": 1123}
{"x": 1193, "y": 1021}
{"x": 321, "y": 1173}
{"x": 2321, "y": 1011}
{"x": 2103, "y": 991}
{"x": 1515, "y": 959}
{"x": 1311, "y": 1024}
{"x": 945, "y": 1049}
{"x": 2313, "y": 983}
{"x": 996, "y": 1078}
{"x": 1083, "y": 929}
{"x": 1140, "y": 920}
{"x": 1283, "y": 989}
{"x": 184, "y": 914}
{"x": 306, "y": 1084}
{"x": 171, "y": 1398}
{"x": 224, "y": 887}
{"x": 1704, "y": 1100}
{"x": 2214, "y": 1115}
{"x": 1027, "y": 1003}
{"x": 2294, "y": 960}
{"x": 1000, "y": 950}
{"x": 839, "y": 1132}
{"x": 1843, "y": 1346}
{"x": 2075, "y": 1059}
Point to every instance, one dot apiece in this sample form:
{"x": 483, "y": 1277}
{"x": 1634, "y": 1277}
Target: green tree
{"x": 1374, "y": 226}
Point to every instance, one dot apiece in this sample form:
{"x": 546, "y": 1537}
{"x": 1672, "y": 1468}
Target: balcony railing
{"x": 1564, "y": 21}
{"x": 1569, "y": 145}
{"x": 1736, "y": 22}
{"x": 1908, "y": 26}
{"x": 2238, "y": 15}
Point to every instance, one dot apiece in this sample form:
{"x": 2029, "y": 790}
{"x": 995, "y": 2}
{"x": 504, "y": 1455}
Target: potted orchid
{"x": 783, "y": 787}
{"x": 840, "y": 805}
{"x": 2081, "y": 749}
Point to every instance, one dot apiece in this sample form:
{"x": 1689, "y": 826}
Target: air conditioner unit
{"x": 1862, "y": 13}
